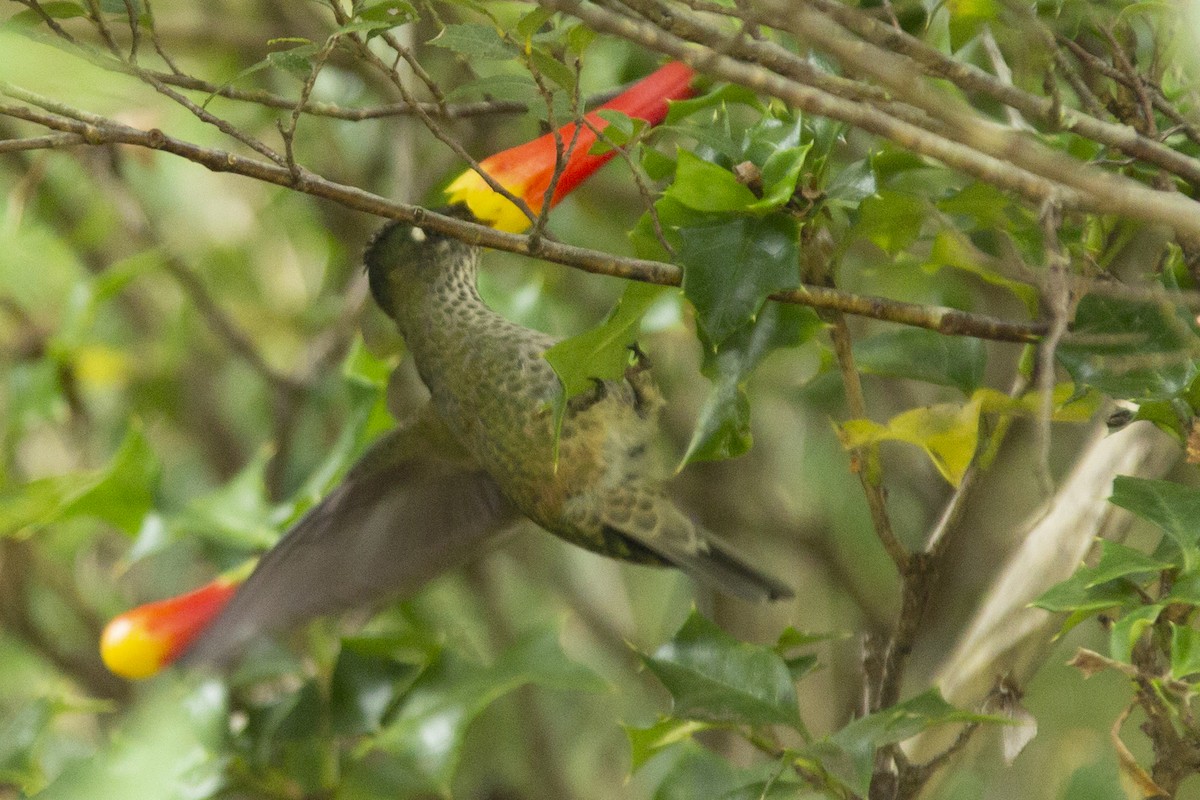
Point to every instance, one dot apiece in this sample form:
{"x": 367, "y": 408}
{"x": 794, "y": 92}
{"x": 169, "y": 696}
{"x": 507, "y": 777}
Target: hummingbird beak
{"x": 146, "y": 639}
{"x": 526, "y": 170}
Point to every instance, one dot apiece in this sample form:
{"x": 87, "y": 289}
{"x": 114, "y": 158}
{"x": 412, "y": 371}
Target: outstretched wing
{"x": 406, "y": 512}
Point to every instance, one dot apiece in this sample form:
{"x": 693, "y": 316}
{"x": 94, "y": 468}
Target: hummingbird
{"x": 592, "y": 479}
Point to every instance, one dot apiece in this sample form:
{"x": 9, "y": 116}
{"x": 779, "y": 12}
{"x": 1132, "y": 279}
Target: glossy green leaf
{"x": 723, "y": 425}
{"x": 704, "y": 186}
{"x": 730, "y": 268}
{"x": 922, "y": 355}
{"x": 713, "y": 677}
{"x": 603, "y": 353}
{"x": 1171, "y": 506}
{"x": 1129, "y": 628}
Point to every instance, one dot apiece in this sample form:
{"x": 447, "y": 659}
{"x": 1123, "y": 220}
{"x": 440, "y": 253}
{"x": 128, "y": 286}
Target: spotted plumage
{"x": 491, "y": 386}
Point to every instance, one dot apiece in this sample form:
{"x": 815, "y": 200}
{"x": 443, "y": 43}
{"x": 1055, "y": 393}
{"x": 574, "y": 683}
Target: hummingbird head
{"x": 404, "y": 261}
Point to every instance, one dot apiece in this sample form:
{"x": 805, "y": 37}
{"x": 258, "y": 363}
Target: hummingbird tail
{"x": 718, "y": 567}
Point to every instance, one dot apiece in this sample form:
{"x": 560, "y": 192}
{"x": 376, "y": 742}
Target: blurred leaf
{"x": 948, "y": 433}
{"x": 120, "y": 493}
{"x": 850, "y": 753}
{"x": 849, "y": 186}
{"x": 729, "y": 269}
{"x": 361, "y": 366}
{"x": 1099, "y": 781}
{"x": 474, "y": 40}
{"x": 646, "y": 743}
{"x": 700, "y": 774}
{"x": 713, "y": 677}
{"x": 165, "y": 749}
{"x": 427, "y": 732}
{"x": 1129, "y": 628}
{"x": 1185, "y": 651}
{"x": 367, "y": 681}
{"x": 957, "y": 361}
{"x": 723, "y": 424}
{"x": 1171, "y": 506}
{"x": 54, "y": 10}
{"x": 951, "y": 250}
{"x": 891, "y": 220}
{"x": 720, "y": 95}
{"x": 237, "y": 514}
{"x": 1139, "y": 350}
{"x": 20, "y": 732}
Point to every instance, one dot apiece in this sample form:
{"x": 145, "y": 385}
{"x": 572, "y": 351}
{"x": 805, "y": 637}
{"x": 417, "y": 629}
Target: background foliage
{"x": 190, "y": 362}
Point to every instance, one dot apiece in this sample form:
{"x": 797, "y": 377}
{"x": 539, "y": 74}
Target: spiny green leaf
{"x": 1171, "y": 506}
{"x": 723, "y": 425}
{"x": 731, "y": 267}
{"x": 713, "y": 677}
{"x": 704, "y": 186}
{"x": 602, "y": 353}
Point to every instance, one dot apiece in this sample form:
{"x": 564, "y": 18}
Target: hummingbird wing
{"x": 407, "y": 511}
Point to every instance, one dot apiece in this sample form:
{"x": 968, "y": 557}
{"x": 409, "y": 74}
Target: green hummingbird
{"x": 594, "y": 481}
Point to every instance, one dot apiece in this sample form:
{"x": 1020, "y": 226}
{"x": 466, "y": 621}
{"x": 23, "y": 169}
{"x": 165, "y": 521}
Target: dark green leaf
{"x": 729, "y": 269}
{"x": 1171, "y": 506}
{"x": 779, "y": 176}
{"x": 1140, "y": 350}
{"x": 367, "y": 681}
{"x": 723, "y": 425}
{"x": 713, "y": 677}
{"x": 957, "y": 361}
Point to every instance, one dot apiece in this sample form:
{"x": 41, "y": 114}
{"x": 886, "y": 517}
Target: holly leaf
{"x": 731, "y": 267}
